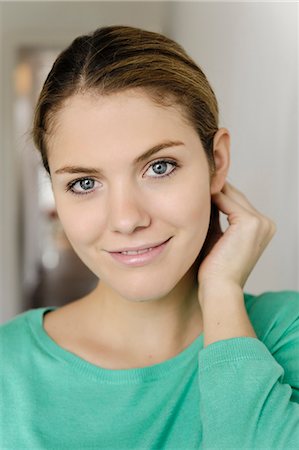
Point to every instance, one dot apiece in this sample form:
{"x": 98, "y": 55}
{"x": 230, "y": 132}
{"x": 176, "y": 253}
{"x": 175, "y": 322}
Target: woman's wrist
{"x": 211, "y": 289}
{"x": 224, "y": 312}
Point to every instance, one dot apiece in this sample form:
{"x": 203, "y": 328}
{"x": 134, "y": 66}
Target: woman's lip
{"x": 142, "y": 258}
{"x": 142, "y": 247}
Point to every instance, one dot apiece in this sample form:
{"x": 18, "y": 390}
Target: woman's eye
{"x": 161, "y": 168}
{"x": 82, "y": 186}
{"x": 85, "y": 186}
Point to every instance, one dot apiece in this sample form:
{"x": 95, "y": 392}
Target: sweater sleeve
{"x": 249, "y": 387}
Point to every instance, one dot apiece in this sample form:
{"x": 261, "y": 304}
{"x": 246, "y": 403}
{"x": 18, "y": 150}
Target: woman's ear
{"x": 221, "y": 152}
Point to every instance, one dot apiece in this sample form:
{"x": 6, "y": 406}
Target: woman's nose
{"x": 127, "y": 211}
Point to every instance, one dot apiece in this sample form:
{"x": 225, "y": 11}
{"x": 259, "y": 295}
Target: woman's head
{"x": 116, "y": 58}
{"x": 111, "y": 98}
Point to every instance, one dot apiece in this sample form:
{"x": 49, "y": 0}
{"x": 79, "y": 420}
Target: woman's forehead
{"x": 121, "y": 130}
{"x": 127, "y": 114}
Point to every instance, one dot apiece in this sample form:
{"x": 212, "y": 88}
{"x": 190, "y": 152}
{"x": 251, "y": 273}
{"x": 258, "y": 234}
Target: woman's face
{"x": 110, "y": 197}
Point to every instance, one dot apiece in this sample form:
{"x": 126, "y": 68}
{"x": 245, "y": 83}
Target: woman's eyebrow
{"x": 156, "y": 149}
{"x": 138, "y": 160}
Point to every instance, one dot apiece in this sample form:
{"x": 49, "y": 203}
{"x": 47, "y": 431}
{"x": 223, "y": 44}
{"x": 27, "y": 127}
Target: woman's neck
{"x": 148, "y": 332}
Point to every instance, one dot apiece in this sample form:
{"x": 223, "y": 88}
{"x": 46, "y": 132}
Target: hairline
{"x": 169, "y": 100}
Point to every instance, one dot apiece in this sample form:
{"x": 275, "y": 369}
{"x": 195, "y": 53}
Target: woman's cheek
{"x": 193, "y": 201}
{"x": 81, "y": 224}
{"x": 198, "y": 213}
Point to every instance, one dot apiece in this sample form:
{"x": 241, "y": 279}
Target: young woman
{"x": 167, "y": 352}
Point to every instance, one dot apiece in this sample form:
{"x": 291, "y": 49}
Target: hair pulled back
{"x": 115, "y": 58}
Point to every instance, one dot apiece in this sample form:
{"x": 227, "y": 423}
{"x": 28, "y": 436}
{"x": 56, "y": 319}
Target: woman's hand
{"x": 237, "y": 250}
{"x": 228, "y": 259}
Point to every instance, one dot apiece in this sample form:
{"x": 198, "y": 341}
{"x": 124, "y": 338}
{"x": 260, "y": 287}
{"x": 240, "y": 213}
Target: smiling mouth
{"x": 141, "y": 257}
{"x": 140, "y": 250}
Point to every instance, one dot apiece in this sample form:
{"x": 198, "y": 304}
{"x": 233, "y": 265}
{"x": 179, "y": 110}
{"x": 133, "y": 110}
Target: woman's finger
{"x": 238, "y": 196}
{"x": 236, "y": 212}
{"x": 229, "y": 206}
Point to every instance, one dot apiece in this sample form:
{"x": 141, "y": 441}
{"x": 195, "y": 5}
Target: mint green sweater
{"x": 239, "y": 393}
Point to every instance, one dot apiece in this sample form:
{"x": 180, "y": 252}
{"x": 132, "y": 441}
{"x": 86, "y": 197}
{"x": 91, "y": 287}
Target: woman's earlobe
{"x": 221, "y": 152}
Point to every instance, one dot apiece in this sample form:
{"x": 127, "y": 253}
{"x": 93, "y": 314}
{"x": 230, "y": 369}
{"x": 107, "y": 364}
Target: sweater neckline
{"x": 115, "y": 376}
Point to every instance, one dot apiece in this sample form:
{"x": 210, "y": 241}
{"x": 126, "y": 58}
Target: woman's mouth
{"x": 139, "y": 257}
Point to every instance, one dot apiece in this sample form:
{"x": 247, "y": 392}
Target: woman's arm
{"x": 224, "y": 271}
{"x": 245, "y": 404}
{"x": 224, "y": 314}
{"x": 245, "y": 399}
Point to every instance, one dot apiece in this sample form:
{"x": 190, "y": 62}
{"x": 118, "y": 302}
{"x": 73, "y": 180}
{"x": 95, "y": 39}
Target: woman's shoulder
{"x": 16, "y": 324}
{"x": 286, "y": 301}
{"x": 17, "y": 333}
{"x": 273, "y": 299}
{"x": 274, "y": 315}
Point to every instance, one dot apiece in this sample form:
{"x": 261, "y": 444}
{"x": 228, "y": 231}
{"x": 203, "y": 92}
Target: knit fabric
{"x": 238, "y": 393}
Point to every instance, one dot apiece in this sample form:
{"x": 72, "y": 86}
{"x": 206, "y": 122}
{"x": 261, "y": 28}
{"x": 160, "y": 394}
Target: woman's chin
{"x": 143, "y": 296}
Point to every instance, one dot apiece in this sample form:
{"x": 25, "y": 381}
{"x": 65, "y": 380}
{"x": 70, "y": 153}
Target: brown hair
{"x": 115, "y": 58}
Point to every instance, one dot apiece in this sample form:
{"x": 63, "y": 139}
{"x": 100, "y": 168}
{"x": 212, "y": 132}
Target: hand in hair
{"x": 224, "y": 270}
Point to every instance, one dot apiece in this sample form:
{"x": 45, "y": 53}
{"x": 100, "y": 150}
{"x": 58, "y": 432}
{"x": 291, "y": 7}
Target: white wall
{"x": 249, "y": 52}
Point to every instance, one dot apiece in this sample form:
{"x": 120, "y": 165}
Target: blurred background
{"x": 249, "y": 52}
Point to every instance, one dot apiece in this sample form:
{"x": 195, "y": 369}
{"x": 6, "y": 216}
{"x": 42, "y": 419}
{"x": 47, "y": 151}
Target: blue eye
{"x": 82, "y": 186}
{"x": 86, "y": 184}
{"x": 160, "y": 168}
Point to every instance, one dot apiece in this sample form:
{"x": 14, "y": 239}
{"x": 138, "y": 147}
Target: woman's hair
{"x": 116, "y": 58}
